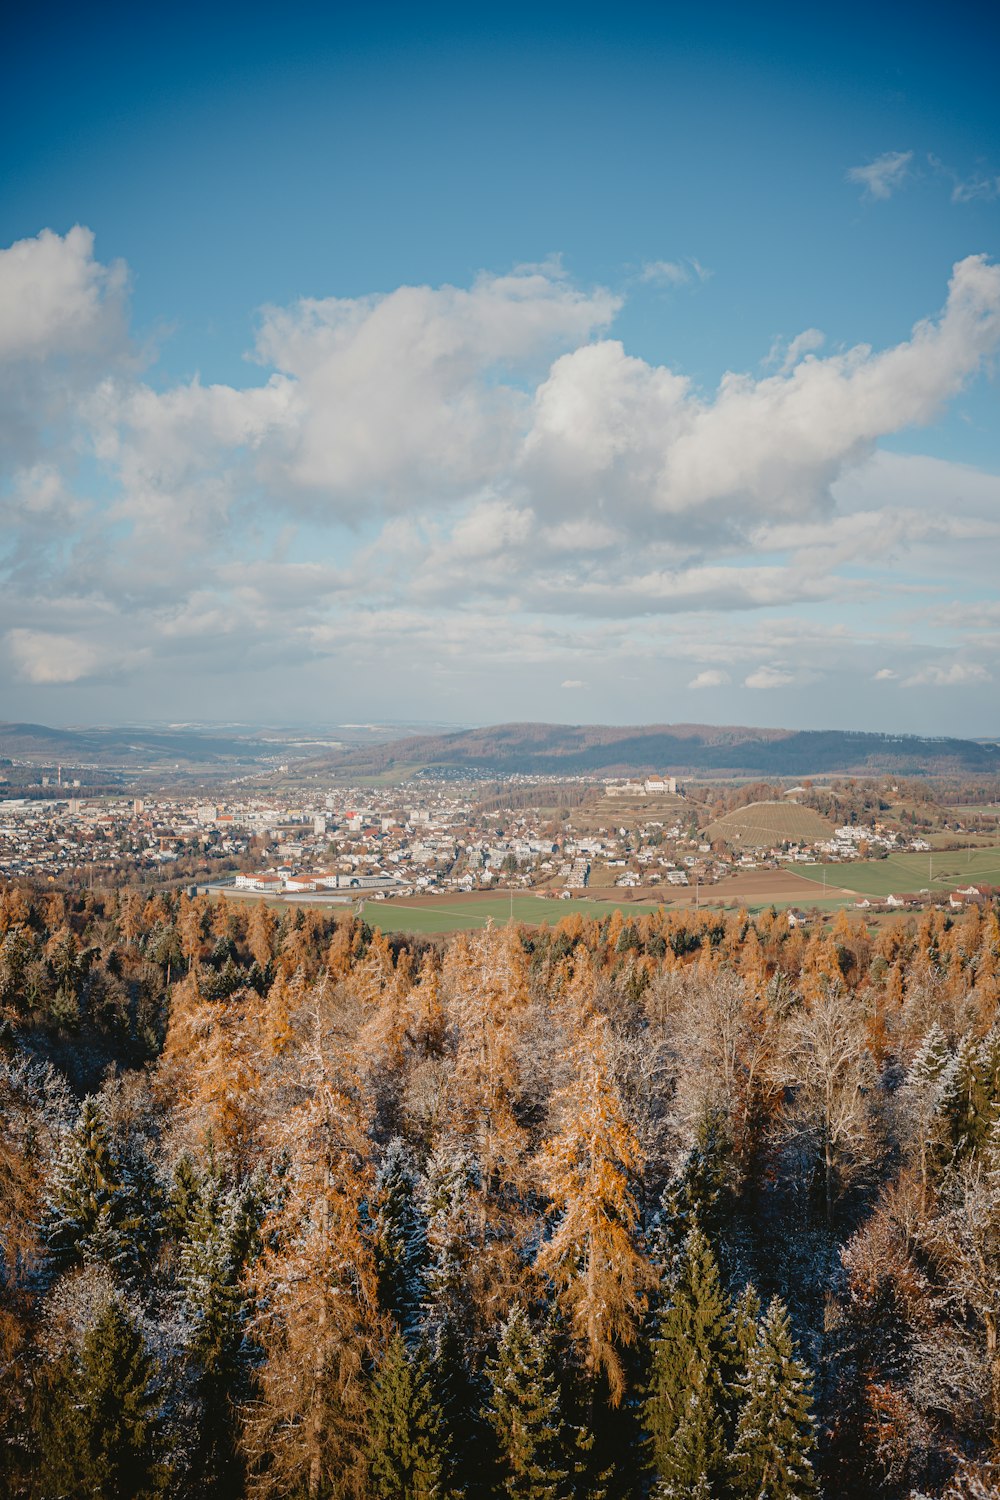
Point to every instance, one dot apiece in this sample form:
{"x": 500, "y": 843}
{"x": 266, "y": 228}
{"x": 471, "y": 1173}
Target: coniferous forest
{"x": 674, "y": 1205}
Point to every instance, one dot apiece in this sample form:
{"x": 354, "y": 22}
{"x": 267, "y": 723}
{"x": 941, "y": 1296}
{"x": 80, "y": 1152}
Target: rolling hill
{"x": 685, "y": 749}
{"x": 761, "y": 824}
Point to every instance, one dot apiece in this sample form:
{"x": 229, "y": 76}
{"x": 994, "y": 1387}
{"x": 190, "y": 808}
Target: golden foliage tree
{"x": 591, "y": 1258}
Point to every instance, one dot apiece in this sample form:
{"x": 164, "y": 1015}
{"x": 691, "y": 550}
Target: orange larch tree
{"x": 591, "y": 1258}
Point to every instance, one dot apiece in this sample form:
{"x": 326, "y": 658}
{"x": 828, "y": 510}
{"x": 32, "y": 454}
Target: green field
{"x": 904, "y": 874}
{"x": 465, "y": 915}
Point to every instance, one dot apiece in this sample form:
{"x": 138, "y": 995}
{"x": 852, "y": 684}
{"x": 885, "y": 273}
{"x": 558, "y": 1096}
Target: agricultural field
{"x": 463, "y": 914}
{"x": 762, "y": 824}
{"x": 904, "y": 874}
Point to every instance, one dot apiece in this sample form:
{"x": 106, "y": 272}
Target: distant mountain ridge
{"x": 127, "y": 744}
{"x": 685, "y": 749}
{"x": 528, "y": 748}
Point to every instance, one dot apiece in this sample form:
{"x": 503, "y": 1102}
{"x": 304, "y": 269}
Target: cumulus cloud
{"x": 411, "y": 394}
{"x": 768, "y": 677}
{"x": 615, "y": 434}
{"x": 44, "y": 657}
{"x": 465, "y": 477}
{"x": 883, "y": 176}
{"x": 63, "y": 325}
{"x": 56, "y": 299}
{"x": 950, "y": 674}
{"x": 885, "y": 674}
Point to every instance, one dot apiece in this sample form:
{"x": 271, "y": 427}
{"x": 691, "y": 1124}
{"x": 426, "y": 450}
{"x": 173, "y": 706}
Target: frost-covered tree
{"x": 399, "y": 1235}
{"x": 775, "y": 1428}
{"x": 524, "y": 1412}
{"x": 968, "y": 1105}
{"x": 833, "y": 1080}
{"x": 100, "y": 1427}
{"x": 918, "y": 1101}
{"x": 104, "y": 1203}
{"x": 963, "y": 1239}
{"x": 219, "y": 1235}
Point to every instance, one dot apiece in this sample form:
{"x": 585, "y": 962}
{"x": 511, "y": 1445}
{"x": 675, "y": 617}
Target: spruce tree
{"x": 697, "y": 1194}
{"x": 104, "y": 1206}
{"x": 775, "y": 1429}
{"x": 407, "y": 1445}
{"x": 693, "y": 1366}
{"x": 968, "y": 1099}
{"x": 696, "y": 1466}
{"x": 220, "y": 1232}
{"x": 99, "y": 1432}
{"x": 524, "y": 1412}
{"x": 746, "y": 1318}
{"x": 448, "y": 1314}
{"x": 399, "y": 1236}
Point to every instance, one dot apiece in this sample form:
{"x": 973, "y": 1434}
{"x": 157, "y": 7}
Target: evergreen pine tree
{"x": 399, "y": 1236}
{"x": 104, "y": 1206}
{"x": 524, "y": 1412}
{"x": 99, "y": 1431}
{"x": 775, "y": 1429}
{"x": 696, "y": 1194}
{"x": 220, "y": 1232}
{"x": 184, "y": 1198}
{"x": 746, "y": 1317}
{"x": 694, "y": 1361}
{"x": 930, "y": 1059}
{"x": 969, "y": 1097}
{"x": 407, "y": 1445}
{"x": 696, "y": 1465}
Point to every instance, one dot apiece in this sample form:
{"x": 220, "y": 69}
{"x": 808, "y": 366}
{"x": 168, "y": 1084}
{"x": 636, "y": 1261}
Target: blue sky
{"x": 654, "y": 441}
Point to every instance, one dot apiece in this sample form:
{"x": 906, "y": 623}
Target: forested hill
{"x": 561, "y": 749}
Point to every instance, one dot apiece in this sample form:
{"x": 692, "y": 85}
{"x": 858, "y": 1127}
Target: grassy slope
{"x": 903, "y": 874}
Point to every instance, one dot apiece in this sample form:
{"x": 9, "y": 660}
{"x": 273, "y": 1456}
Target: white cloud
{"x": 881, "y": 178}
{"x": 786, "y": 356}
{"x": 885, "y": 674}
{"x": 55, "y": 298}
{"x": 612, "y": 433}
{"x": 46, "y": 658}
{"x": 952, "y": 674}
{"x": 411, "y": 394}
{"x": 977, "y": 187}
{"x": 674, "y": 273}
{"x": 769, "y": 677}
{"x": 478, "y": 479}
{"x": 62, "y": 329}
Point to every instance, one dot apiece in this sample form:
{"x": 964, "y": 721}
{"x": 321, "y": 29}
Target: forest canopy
{"x": 671, "y": 1205}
